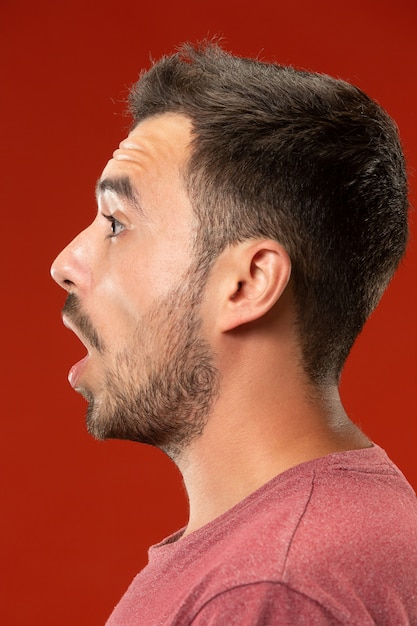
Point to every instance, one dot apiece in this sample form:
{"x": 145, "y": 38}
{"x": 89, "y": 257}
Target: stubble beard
{"x": 159, "y": 390}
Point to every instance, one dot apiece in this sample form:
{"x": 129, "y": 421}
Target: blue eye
{"x": 116, "y": 226}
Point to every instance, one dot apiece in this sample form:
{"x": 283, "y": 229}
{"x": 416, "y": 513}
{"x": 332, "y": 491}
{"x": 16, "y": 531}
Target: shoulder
{"x": 263, "y": 603}
{"x": 335, "y": 505}
{"x": 336, "y": 538}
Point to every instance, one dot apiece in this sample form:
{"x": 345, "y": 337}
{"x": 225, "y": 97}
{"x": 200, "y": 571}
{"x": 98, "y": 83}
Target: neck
{"x": 251, "y": 438}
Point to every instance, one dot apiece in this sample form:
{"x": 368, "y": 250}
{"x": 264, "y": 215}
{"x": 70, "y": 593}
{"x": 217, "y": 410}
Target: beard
{"x": 160, "y": 389}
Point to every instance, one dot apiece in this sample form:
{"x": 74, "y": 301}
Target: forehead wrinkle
{"x": 122, "y": 187}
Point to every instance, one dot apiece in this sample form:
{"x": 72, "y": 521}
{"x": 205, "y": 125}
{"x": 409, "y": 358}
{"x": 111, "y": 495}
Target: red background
{"x": 76, "y": 515}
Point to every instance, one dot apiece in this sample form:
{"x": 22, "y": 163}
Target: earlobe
{"x": 260, "y": 272}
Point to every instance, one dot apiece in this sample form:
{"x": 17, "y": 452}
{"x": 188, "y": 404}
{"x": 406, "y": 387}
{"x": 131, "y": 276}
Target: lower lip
{"x": 76, "y": 371}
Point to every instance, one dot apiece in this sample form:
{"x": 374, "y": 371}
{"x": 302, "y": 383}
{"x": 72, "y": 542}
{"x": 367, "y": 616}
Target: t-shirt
{"x": 330, "y": 541}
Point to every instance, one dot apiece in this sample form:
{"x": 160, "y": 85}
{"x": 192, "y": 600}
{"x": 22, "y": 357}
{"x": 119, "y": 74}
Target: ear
{"x": 257, "y": 276}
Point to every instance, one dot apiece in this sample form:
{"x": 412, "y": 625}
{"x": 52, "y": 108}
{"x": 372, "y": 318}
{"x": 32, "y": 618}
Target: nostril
{"x": 70, "y": 267}
{"x": 67, "y": 284}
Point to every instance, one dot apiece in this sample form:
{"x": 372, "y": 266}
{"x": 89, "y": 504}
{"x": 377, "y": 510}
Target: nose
{"x": 72, "y": 267}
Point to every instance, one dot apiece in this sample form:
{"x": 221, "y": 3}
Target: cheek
{"x": 119, "y": 307}
{"x": 140, "y": 271}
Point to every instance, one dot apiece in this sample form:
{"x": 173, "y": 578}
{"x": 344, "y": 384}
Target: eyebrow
{"x": 121, "y": 186}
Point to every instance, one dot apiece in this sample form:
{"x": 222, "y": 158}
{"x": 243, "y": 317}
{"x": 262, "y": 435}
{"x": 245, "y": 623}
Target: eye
{"x": 116, "y": 226}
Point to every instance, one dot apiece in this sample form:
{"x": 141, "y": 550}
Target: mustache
{"x": 81, "y": 321}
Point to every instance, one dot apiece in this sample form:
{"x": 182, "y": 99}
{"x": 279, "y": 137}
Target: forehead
{"x": 157, "y": 145}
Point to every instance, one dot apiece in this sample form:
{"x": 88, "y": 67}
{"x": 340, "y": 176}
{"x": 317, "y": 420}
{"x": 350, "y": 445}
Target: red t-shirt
{"x": 331, "y": 541}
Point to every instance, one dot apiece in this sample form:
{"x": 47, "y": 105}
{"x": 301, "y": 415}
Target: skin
{"x": 149, "y": 375}
{"x": 261, "y": 414}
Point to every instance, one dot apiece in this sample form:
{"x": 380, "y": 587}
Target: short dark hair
{"x": 306, "y": 159}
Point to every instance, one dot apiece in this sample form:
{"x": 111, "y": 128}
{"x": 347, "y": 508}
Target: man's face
{"x": 134, "y": 296}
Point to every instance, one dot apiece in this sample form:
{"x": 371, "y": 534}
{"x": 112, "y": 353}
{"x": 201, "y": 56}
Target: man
{"x": 246, "y": 229}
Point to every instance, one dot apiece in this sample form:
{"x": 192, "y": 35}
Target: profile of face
{"x": 134, "y": 297}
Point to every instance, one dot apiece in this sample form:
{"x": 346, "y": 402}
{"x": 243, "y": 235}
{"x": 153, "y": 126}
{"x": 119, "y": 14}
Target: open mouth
{"x": 77, "y": 369}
